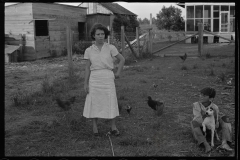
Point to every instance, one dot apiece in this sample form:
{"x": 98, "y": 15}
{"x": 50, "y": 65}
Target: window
{"x": 199, "y": 11}
{"x": 215, "y": 25}
{"x": 41, "y": 27}
{"x": 207, "y": 24}
{"x": 207, "y": 11}
{"x": 216, "y": 18}
{"x": 224, "y": 8}
{"x": 190, "y": 25}
{"x": 190, "y": 11}
{"x": 196, "y": 23}
{"x": 232, "y": 18}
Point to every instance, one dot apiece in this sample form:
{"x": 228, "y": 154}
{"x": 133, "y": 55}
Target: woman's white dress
{"x": 101, "y": 102}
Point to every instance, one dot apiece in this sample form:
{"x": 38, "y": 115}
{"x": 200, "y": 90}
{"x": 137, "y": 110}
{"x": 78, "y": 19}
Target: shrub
{"x": 208, "y": 55}
{"x": 80, "y": 47}
{"x": 184, "y": 67}
{"x": 211, "y": 72}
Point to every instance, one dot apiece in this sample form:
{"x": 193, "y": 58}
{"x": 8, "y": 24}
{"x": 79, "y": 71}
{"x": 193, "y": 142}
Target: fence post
{"x": 200, "y": 39}
{"x": 122, "y": 40}
{"x": 108, "y": 35}
{"x": 69, "y": 49}
{"x": 138, "y": 43}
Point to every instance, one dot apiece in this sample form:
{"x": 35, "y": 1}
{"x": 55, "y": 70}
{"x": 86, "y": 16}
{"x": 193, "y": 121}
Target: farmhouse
{"x": 104, "y": 13}
{"x": 43, "y": 26}
{"x": 218, "y": 18}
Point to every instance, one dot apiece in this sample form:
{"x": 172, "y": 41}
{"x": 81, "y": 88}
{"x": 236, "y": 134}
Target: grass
{"x": 40, "y": 128}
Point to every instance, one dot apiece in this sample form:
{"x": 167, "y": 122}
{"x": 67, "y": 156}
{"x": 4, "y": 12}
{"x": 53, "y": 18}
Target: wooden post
{"x": 150, "y": 41}
{"x": 108, "y": 36}
{"x": 122, "y": 40}
{"x": 150, "y": 35}
{"x": 69, "y": 49}
{"x": 138, "y": 42}
{"x": 200, "y": 39}
{"x": 130, "y": 47}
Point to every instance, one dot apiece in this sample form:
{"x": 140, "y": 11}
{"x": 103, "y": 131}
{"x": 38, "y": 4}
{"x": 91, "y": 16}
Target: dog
{"x": 209, "y": 123}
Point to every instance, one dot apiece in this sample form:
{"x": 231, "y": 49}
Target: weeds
{"x": 195, "y": 66}
{"x": 46, "y": 86}
{"x": 208, "y": 55}
{"x": 184, "y": 67}
{"x": 222, "y": 77}
{"x": 224, "y": 65}
{"x": 22, "y": 98}
{"x": 211, "y": 72}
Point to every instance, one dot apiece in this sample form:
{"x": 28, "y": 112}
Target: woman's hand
{"x": 86, "y": 88}
{"x": 116, "y": 75}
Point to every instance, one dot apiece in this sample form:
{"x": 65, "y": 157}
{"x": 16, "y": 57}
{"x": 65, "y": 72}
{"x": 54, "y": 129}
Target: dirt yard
{"x": 36, "y": 126}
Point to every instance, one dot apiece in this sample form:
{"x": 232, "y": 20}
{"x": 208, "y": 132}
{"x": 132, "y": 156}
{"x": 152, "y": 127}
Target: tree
{"x": 170, "y": 19}
{"x": 130, "y": 23}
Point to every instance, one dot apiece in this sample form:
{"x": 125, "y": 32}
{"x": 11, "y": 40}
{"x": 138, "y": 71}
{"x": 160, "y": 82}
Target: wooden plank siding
{"x": 17, "y": 21}
{"x": 62, "y": 16}
{"x": 20, "y": 19}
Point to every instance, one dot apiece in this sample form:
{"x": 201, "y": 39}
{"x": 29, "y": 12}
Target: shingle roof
{"x": 116, "y": 8}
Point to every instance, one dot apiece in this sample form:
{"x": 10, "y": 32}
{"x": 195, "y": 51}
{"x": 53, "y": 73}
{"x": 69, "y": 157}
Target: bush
{"x": 80, "y": 47}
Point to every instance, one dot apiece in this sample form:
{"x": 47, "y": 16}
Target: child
{"x": 101, "y": 100}
{"x": 199, "y": 109}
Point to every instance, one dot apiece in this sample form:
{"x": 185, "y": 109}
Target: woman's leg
{"x": 95, "y": 129}
{"x": 113, "y": 124}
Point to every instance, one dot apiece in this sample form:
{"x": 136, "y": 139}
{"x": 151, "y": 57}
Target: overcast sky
{"x": 143, "y": 10}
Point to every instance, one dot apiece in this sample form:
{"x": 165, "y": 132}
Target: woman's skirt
{"x": 101, "y": 101}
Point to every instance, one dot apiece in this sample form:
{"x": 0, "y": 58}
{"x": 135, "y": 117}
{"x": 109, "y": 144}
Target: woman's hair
{"x": 100, "y": 27}
{"x": 208, "y": 91}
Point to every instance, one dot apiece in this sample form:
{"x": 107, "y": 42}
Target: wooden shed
{"x": 44, "y": 27}
{"x": 104, "y": 13}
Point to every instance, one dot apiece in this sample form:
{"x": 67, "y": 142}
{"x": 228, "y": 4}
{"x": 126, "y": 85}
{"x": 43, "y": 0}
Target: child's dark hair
{"x": 208, "y": 91}
{"x": 100, "y": 27}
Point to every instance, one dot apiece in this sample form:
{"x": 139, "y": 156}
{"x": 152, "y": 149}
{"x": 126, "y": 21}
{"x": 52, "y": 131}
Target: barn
{"x": 218, "y": 18}
{"x": 43, "y": 26}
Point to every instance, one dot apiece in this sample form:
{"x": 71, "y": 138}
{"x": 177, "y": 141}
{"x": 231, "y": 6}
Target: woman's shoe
{"x": 113, "y": 132}
{"x": 96, "y": 134}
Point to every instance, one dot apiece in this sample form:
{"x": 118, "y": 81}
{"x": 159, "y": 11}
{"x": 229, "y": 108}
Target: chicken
{"x": 156, "y": 105}
{"x": 128, "y": 108}
{"x": 65, "y": 105}
{"x": 155, "y": 85}
{"x": 183, "y": 57}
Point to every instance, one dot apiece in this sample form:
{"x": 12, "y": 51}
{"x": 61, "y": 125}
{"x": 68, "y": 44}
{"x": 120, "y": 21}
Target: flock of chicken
{"x": 155, "y": 105}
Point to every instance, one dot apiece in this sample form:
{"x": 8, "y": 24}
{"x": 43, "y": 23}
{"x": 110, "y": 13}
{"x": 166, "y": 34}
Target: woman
{"x": 101, "y": 100}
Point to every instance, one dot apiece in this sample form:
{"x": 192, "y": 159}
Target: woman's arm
{"x": 87, "y": 74}
{"x": 120, "y": 65}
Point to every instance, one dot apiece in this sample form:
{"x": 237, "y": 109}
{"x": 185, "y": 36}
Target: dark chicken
{"x": 65, "y": 105}
{"x": 183, "y": 57}
{"x": 128, "y": 108}
{"x": 156, "y": 105}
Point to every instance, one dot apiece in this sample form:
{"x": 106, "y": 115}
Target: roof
{"x": 117, "y": 9}
{"x": 11, "y": 48}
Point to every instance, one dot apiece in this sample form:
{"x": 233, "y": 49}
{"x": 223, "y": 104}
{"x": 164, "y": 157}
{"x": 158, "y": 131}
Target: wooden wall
{"x": 59, "y": 17}
{"x": 18, "y": 20}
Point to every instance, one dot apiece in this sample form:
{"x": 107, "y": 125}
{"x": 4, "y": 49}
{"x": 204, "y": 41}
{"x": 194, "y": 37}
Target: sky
{"x": 143, "y": 10}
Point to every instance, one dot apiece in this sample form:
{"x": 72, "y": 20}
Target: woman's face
{"x": 99, "y": 36}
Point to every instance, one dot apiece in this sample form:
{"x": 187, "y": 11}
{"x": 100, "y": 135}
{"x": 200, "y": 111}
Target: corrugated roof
{"x": 116, "y": 8}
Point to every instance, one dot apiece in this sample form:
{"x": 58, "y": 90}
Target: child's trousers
{"x": 224, "y": 127}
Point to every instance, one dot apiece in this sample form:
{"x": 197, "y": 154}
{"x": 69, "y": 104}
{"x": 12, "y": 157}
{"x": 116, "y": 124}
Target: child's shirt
{"x": 199, "y": 111}
{"x": 101, "y": 59}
